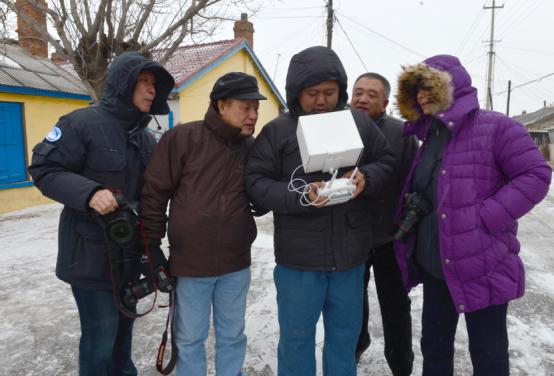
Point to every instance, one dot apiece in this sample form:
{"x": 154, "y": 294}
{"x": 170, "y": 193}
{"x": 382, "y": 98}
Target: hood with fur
{"x": 451, "y": 93}
{"x": 310, "y": 67}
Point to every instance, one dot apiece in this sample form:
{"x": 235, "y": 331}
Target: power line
{"x": 354, "y": 48}
{"x": 527, "y": 83}
{"x": 523, "y": 49}
{"x": 381, "y": 35}
{"x": 516, "y": 24}
{"x": 470, "y": 31}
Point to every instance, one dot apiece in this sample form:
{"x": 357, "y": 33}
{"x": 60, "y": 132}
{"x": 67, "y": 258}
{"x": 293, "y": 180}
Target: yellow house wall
{"x": 39, "y": 115}
{"x": 194, "y": 99}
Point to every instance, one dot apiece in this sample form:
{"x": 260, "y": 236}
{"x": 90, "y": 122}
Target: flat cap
{"x": 236, "y": 85}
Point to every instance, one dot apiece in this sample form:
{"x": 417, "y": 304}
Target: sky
{"x": 381, "y": 36}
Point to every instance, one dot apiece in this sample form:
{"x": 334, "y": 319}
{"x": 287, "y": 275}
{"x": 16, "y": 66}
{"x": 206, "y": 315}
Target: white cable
{"x": 303, "y": 189}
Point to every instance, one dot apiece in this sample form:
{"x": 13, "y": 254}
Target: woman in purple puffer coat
{"x": 481, "y": 171}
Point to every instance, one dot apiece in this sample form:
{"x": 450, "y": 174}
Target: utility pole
{"x": 329, "y": 22}
{"x": 509, "y": 90}
{"x": 488, "y": 106}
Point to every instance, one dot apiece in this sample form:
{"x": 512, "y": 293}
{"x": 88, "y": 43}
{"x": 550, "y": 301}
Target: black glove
{"x": 160, "y": 267}
{"x": 257, "y": 211}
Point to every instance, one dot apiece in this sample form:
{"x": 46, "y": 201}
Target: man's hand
{"x": 318, "y": 202}
{"x": 103, "y": 202}
{"x": 359, "y": 180}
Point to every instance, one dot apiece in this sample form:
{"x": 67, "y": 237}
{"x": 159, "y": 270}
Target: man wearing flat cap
{"x": 198, "y": 167}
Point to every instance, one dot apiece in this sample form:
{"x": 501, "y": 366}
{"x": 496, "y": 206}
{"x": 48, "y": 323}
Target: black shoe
{"x": 360, "y": 351}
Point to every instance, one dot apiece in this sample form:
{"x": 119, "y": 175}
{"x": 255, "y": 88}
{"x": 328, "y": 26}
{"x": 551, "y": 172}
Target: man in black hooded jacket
{"x": 90, "y": 152}
{"x": 320, "y": 250}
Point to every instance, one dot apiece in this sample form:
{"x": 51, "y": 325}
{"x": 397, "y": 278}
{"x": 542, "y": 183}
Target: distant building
{"x": 537, "y": 124}
{"x": 537, "y": 120}
{"x": 34, "y": 94}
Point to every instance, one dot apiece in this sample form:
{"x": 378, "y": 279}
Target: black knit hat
{"x": 236, "y": 85}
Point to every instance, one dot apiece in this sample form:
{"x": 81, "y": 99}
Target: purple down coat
{"x": 492, "y": 173}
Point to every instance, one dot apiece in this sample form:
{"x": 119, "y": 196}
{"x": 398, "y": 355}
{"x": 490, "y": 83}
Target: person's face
{"x": 367, "y": 97}
{"x": 240, "y": 113}
{"x": 320, "y": 98}
{"x": 423, "y": 100}
{"x": 145, "y": 92}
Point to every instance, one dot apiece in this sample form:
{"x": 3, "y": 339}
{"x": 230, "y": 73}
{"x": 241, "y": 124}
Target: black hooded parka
{"x": 332, "y": 238}
{"x": 100, "y": 147}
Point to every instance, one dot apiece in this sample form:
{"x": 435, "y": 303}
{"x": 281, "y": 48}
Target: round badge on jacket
{"x": 54, "y": 134}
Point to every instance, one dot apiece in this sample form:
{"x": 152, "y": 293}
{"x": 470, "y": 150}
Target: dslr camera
{"x": 133, "y": 292}
{"x": 415, "y": 208}
{"x": 122, "y": 226}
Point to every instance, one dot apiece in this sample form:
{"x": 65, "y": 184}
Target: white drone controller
{"x": 338, "y": 191}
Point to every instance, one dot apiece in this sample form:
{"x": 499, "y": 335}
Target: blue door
{"x": 12, "y": 150}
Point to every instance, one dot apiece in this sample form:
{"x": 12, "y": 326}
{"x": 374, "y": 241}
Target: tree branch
{"x": 143, "y": 19}
{"x": 98, "y": 20}
{"x": 123, "y": 20}
{"x": 87, "y": 15}
{"x": 171, "y": 50}
{"x": 109, "y": 20}
{"x": 64, "y": 10}
{"x": 189, "y": 14}
{"x": 75, "y": 16}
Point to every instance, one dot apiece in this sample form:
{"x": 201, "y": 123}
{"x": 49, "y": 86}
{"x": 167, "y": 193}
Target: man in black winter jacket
{"x": 370, "y": 95}
{"x": 320, "y": 250}
{"x": 90, "y": 152}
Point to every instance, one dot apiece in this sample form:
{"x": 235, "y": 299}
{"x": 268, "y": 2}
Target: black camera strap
{"x": 163, "y": 344}
{"x": 116, "y": 282}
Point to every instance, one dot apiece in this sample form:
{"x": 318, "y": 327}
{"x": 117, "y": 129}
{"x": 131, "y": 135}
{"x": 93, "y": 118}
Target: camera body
{"x": 133, "y": 292}
{"x": 122, "y": 226}
{"x": 415, "y": 208}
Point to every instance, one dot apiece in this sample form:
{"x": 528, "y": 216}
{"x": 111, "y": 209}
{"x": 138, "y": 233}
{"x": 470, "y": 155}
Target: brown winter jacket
{"x": 199, "y": 166}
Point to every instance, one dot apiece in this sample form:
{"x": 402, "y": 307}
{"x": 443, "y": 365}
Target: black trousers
{"x": 395, "y": 310}
{"x": 486, "y": 329}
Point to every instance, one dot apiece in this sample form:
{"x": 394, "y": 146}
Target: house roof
{"x": 22, "y": 72}
{"x": 188, "y": 63}
{"x": 539, "y": 116}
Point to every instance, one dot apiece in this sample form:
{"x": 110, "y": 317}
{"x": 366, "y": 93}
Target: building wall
{"x": 194, "y": 99}
{"x": 163, "y": 120}
{"x": 40, "y": 114}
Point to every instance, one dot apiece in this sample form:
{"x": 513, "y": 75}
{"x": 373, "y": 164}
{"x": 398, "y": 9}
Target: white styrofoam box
{"x": 329, "y": 140}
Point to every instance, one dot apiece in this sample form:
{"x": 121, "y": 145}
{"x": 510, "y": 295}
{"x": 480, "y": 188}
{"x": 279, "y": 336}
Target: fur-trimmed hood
{"x": 451, "y": 93}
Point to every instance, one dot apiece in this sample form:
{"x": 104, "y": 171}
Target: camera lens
{"x": 121, "y": 232}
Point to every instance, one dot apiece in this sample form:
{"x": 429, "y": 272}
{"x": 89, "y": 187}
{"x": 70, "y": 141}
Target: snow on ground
{"x": 40, "y": 325}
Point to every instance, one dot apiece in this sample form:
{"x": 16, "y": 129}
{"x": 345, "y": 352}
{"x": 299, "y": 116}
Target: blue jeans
{"x": 195, "y": 297}
{"x": 106, "y": 335}
{"x": 486, "y": 329}
{"x": 302, "y": 296}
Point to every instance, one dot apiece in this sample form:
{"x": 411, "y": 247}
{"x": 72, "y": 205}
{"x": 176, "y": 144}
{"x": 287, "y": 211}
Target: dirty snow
{"x": 40, "y": 326}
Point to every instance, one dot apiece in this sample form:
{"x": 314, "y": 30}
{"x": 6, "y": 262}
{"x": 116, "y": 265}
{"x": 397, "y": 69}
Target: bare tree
{"x": 90, "y": 33}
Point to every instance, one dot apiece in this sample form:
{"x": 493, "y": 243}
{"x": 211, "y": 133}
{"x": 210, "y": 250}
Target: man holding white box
{"x": 320, "y": 250}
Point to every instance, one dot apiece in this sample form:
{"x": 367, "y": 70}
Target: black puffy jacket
{"x": 104, "y": 146}
{"x": 333, "y": 238}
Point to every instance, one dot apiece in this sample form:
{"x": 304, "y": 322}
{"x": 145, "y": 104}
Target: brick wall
{"x": 244, "y": 29}
{"x": 29, "y": 38}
